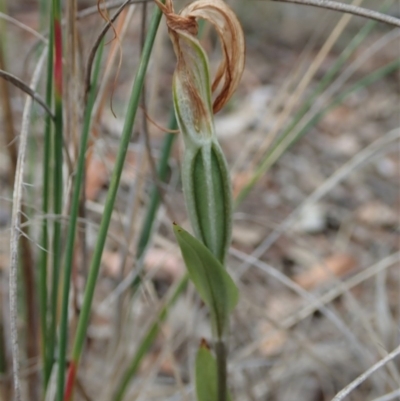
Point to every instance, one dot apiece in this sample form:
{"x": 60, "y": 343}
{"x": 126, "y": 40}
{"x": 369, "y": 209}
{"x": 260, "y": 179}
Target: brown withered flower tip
{"x": 204, "y": 344}
{"x": 229, "y": 31}
{"x": 177, "y": 22}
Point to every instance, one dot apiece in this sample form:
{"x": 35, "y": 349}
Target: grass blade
{"x": 57, "y": 179}
{"x": 109, "y": 204}
{"x": 69, "y": 252}
{"x": 46, "y": 197}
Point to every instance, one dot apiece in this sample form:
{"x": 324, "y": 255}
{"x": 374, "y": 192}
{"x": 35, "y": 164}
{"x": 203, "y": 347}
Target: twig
{"x": 360, "y": 379}
{"x": 347, "y": 8}
{"x": 25, "y": 88}
{"x": 16, "y": 229}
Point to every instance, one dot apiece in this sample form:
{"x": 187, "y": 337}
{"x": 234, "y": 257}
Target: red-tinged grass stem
{"x": 70, "y": 381}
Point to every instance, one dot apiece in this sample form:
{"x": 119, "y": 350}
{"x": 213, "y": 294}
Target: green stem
{"x": 109, "y": 204}
{"x": 57, "y": 179}
{"x": 221, "y": 355}
{"x": 46, "y": 195}
{"x": 69, "y": 252}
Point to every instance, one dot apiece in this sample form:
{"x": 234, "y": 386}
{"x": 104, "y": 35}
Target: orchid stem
{"x": 221, "y": 354}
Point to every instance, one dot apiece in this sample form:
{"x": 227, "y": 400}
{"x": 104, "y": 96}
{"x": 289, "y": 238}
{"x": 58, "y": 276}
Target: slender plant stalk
{"x": 109, "y": 204}
{"x": 6, "y": 76}
{"x": 8, "y": 128}
{"x": 220, "y": 352}
{"x": 46, "y": 197}
{"x": 7, "y": 115}
{"x": 57, "y": 177}
{"x": 27, "y": 264}
{"x": 44, "y": 14}
{"x": 16, "y": 232}
{"x": 347, "y": 8}
{"x": 69, "y": 251}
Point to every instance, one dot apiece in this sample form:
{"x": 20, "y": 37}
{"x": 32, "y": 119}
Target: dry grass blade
{"x": 360, "y": 379}
{"x": 389, "y": 397}
{"x": 15, "y": 226}
{"x": 347, "y": 8}
{"x": 337, "y": 291}
{"x": 23, "y": 26}
{"x": 25, "y": 88}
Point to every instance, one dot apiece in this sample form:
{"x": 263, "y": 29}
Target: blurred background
{"x": 312, "y": 141}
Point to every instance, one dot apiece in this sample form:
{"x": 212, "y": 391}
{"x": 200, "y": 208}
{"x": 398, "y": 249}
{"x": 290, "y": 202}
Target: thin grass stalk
{"x": 16, "y": 232}
{"x": 57, "y": 177}
{"x": 27, "y": 265}
{"x": 220, "y": 353}
{"x": 46, "y": 200}
{"x": 7, "y": 118}
{"x": 348, "y": 8}
{"x": 286, "y": 142}
{"x": 148, "y": 340}
{"x": 326, "y": 80}
{"x": 5, "y": 384}
{"x": 109, "y": 204}
{"x": 69, "y": 250}
{"x": 44, "y": 13}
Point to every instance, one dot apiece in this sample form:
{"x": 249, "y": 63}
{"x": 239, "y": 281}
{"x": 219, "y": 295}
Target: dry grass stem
{"x": 23, "y": 26}
{"x": 27, "y": 89}
{"x": 347, "y": 8}
{"x": 16, "y": 229}
{"x": 360, "y": 379}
